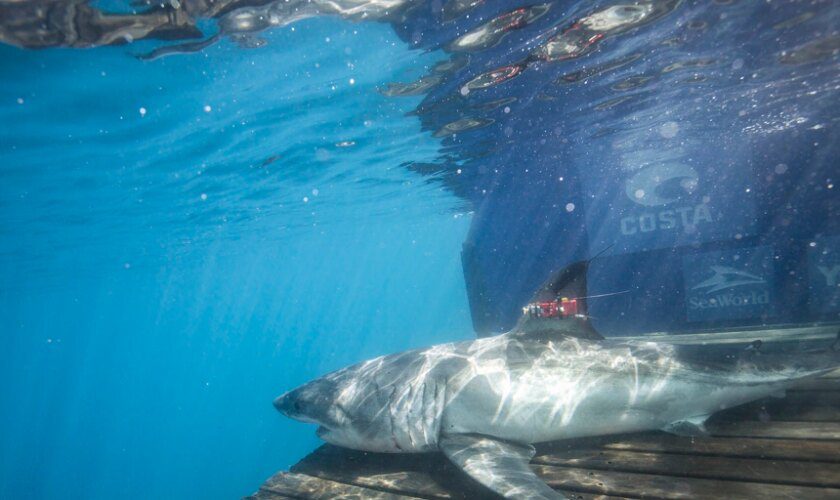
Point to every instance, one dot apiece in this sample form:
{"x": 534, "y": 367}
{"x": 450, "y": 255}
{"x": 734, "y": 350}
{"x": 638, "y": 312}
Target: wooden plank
{"x": 776, "y": 449}
{"x": 291, "y": 485}
{"x": 786, "y": 430}
{"x": 427, "y": 475}
{"x": 630, "y": 484}
{"x": 711, "y": 467}
{"x": 432, "y": 476}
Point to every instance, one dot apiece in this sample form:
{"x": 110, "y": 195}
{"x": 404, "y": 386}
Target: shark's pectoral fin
{"x": 499, "y": 465}
{"x": 689, "y": 427}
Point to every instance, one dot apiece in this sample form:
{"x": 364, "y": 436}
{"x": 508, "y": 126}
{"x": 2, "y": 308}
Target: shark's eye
{"x": 298, "y": 406}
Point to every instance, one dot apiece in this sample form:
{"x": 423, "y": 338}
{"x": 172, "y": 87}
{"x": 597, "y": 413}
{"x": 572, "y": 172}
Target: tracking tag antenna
{"x": 604, "y": 295}
{"x": 602, "y": 252}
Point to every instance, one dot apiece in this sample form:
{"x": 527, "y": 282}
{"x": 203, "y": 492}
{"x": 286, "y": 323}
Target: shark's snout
{"x": 309, "y": 403}
{"x": 283, "y": 403}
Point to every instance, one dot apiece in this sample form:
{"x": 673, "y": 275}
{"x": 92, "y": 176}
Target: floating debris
{"x": 632, "y": 82}
{"x": 813, "y": 51}
{"x": 581, "y": 37}
{"x": 494, "y": 77}
{"x": 692, "y": 63}
{"x": 794, "y": 21}
{"x": 418, "y": 87}
{"x": 598, "y": 70}
{"x": 462, "y": 125}
{"x": 492, "y": 32}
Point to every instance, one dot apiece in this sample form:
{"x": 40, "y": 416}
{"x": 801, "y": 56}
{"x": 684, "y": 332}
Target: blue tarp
{"x": 688, "y": 149}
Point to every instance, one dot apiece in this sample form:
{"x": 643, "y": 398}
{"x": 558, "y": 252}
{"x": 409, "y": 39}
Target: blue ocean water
{"x": 187, "y": 234}
{"x": 183, "y": 240}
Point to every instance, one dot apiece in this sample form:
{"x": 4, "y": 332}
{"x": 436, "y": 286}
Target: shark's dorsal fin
{"x": 499, "y": 465}
{"x": 568, "y": 282}
{"x": 545, "y": 329}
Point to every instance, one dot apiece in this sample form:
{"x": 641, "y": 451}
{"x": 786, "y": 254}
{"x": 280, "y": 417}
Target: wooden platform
{"x": 774, "y": 448}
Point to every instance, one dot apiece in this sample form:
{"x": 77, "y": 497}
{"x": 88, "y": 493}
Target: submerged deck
{"x": 774, "y": 448}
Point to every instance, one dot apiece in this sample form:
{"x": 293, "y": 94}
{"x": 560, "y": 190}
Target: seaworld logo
{"x": 717, "y": 290}
{"x": 727, "y": 277}
{"x": 657, "y": 188}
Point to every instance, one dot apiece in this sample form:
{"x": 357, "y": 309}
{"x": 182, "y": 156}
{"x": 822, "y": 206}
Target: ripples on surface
{"x": 653, "y": 80}
{"x": 187, "y": 150}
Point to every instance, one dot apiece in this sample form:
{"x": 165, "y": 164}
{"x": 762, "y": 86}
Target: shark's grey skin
{"x": 483, "y": 403}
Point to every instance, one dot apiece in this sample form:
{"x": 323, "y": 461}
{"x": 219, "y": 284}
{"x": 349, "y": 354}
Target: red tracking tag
{"x": 568, "y": 306}
{"x": 549, "y": 309}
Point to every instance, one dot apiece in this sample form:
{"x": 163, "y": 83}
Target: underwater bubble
{"x": 203, "y": 196}
{"x": 639, "y": 193}
{"x": 352, "y": 81}
{"x": 207, "y": 108}
{"x": 20, "y": 100}
{"x": 315, "y": 192}
{"x": 570, "y": 207}
{"x": 780, "y": 168}
{"x": 142, "y": 112}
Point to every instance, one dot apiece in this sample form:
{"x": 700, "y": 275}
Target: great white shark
{"x": 484, "y": 403}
